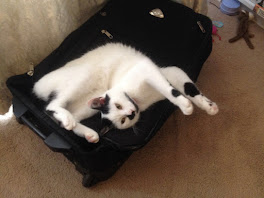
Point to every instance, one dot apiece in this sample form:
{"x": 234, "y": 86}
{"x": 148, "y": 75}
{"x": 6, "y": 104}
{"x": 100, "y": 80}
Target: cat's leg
{"x": 71, "y": 121}
{"x": 56, "y": 107}
{"x": 181, "y": 81}
{"x": 83, "y": 131}
{"x": 155, "y": 79}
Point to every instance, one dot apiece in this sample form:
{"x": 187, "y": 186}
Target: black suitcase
{"x": 182, "y": 37}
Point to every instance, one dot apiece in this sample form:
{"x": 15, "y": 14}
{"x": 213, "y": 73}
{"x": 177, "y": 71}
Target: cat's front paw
{"x": 92, "y": 137}
{"x": 66, "y": 119}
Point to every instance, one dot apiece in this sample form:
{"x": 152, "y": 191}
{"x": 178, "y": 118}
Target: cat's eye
{"x": 118, "y": 106}
{"x": 123, "y": 120}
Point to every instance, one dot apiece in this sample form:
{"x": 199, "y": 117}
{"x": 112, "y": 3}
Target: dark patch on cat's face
{"x": 190, "y": 89}
{"x": 133, "y": 102}
{"x": 105, "y": 107}
{"x": 131, "y": 117}
{"x": 175, "y": 93}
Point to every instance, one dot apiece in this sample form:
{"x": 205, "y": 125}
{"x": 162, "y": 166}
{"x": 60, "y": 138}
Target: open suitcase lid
{"x": 182, "y": 38}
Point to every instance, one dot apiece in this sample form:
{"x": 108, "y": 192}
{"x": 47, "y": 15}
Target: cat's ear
{"x": 97, "y": 103}
{"x": 100, "y": 103}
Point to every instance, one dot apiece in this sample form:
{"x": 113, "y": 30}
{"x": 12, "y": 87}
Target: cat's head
{"x": 117, "y": 108}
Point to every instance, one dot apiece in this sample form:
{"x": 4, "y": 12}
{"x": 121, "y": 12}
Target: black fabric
{"x": 173, "y": 40}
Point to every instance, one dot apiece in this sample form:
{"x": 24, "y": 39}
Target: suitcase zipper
{"x": 31, "y": 70}
{"x": 200, "y": 26}
{"x": 107, "y": 34}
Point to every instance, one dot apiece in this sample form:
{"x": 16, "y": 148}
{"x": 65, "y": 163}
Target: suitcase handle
{"x": 52, "y": 140}
{"x": 32, "y": 126}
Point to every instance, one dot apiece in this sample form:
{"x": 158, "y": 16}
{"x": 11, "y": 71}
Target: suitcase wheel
{"x": 88, "y": 180}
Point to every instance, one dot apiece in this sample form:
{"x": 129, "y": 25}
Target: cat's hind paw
{"x": 213, "y": 109}
{"x": 186, "y": 107}
{"x": 204, "y": 103}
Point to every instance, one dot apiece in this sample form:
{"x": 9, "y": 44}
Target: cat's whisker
{"x": 136, "y": 130}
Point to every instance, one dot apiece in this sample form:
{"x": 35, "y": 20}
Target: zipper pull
{"x": 107, "y": 34}
{"x": 200, "y": 26}
{"x": 31, "y": 70}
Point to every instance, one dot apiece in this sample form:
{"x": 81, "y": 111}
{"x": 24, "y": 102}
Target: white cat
{"x": 118, "y": 81}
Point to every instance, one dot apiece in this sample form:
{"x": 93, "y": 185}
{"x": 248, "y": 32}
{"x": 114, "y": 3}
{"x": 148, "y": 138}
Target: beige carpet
{"x": 192, "y": 156}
